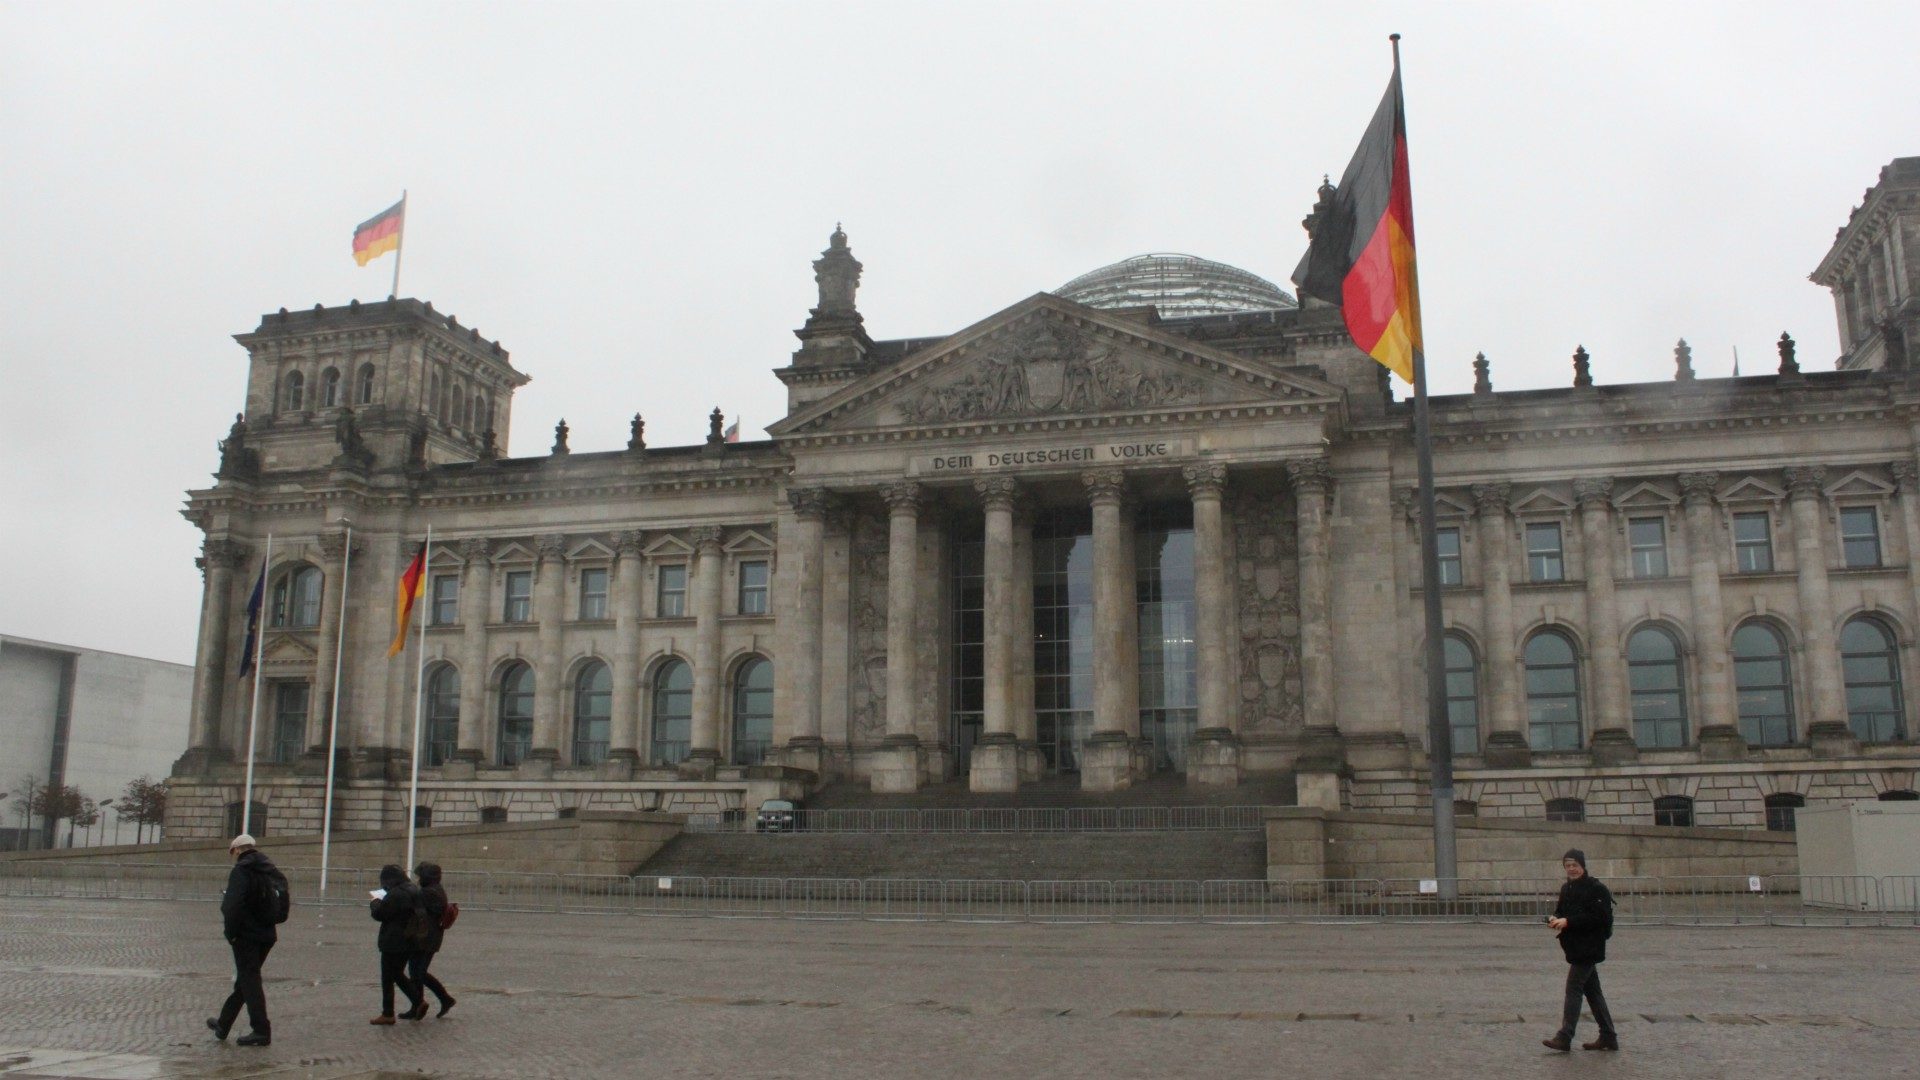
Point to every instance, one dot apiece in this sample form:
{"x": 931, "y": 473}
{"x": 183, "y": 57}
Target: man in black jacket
{"x": 1584, "y": 918}
{"x": 250, "y": 930}
{"x": 394, "y": 906}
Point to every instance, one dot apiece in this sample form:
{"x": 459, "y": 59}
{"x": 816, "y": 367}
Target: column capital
{"x": 628, "y": 542}
{"x": 998, "y": 492}
{"x": 1105, "y": 485}
{"x": 705, "y": 538}
{"x": 1310, "y": 475}
{"x": 1699, "y": 487}
{"x": 333, "y": 545}
{"x": 224, "y": 553}
{"x": 1805, "y": 479}
{"x": 1406, "y": 503}
{"x": 1906, "y": 475}
{"x": 1491, "y": 499}
{"x": 1596, "y": 491}
{"x": 1207, "y": 479}
{"x": 902, "y": 497}
{"x": 551, "y": 547}
{"x": 810, "y": 502}
{"x": 474, "y": 549}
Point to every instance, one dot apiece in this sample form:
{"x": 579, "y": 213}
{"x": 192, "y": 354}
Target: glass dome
{"x": 1176, "y": 286}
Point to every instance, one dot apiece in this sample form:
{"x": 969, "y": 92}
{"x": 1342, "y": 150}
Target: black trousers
{"x": 393, "y": 972}
{"x": 1583, "y": 981}
{"x": 248, "y": 958}
{"x": 417, "y": 971}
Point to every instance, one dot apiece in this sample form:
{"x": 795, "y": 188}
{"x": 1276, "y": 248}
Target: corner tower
{"x": 1873, "y": 270}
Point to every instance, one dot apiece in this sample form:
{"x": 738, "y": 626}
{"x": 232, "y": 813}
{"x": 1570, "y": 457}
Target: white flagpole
{"x": 419, "y": 699}
{"x": 259, "y": 650}
{"x": 399, "y": 246}
{"x": 333, "y": 721}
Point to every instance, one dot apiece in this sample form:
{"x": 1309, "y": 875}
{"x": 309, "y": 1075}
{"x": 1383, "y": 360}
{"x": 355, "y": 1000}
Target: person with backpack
{"x": 403, "y": 931}
{"x": 256, "y": 901}
{"x": 1584, "y": 918}
{"x": 440, "y": 915}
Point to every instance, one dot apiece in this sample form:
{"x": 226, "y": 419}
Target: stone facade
{"x": 1077, "y": 539}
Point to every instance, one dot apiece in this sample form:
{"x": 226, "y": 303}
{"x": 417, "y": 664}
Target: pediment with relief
{"x": 1049, "y": 357}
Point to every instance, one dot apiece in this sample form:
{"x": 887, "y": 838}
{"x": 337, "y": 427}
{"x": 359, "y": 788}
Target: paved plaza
{"x": 117, "y": 990}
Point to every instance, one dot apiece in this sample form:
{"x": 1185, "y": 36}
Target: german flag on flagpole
{"x": 412, "y": 586}
{"x": 380, "y": 233}
{"x": 1361, "y": 256}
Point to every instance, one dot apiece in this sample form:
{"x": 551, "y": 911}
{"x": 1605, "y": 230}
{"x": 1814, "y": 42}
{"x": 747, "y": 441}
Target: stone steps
{"x": 1057, "y": 791}
{"x": 1063, "y": 856}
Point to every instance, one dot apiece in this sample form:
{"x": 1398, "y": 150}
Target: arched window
{"x": 296, "y": 391}
{"x": 1659, "y": 698}
{"x": 1553, "y": 692}
{"x": 1463, "y": 695}
{"x": 752, "y": 711}
{"x": 1674, "y": 810}
{"x": 456, "y": 407}
{"x": 592, "y": 713}
{"x": 1780, "y": 808}
{"x": 1566, "y": 810}
{"x": 490, "y": 426}
{"x": 296, "y": 598}
{"x": 516, "y": 714}
{"x": 442, "y": 734}
{"x": 255, "y": 824}
{"x": 672, "y": 713}
{"x": 329, "y": 388}
{"x": 473, "y": 411}
{"x": 1870, "y": 662}
{"x": 366, "y": 384}
{"x": 1764, "y": 685}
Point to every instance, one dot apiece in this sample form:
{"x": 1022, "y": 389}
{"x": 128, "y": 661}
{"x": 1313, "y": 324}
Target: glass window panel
{"x": 1860, "y": 535}
{"x": 1753, "y": 543}
{"x": 446, "y": 599}
{"x": 752, "y": 712}
{"x": 443, "y": 715}
{"x": 1647, "y": 538}
{"x": 671, "y": 599}
{"x": 1543, "y": 553}
{"x": 516, "y": 715}
{"x": 593, "y": 593}
{"x": 753, "y": 588}
{"x": 672, "y": 713}
{"x": 519, "y": 596}
{"x": 1448, "y": 542}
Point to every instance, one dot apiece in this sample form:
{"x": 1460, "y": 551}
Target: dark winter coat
{"x": 1588, "y": 908}
{"x": 240, "y": 906}
{"x": 434, "y": 898}
{"x": 394, "y": 909}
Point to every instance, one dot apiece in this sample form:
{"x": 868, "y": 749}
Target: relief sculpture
{"x": 1048, "y": 368}
{"x": 1267, "y": 593}
{"x": 867, "y": 682}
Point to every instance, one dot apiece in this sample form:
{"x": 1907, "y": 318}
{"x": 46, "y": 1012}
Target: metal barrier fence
{"x": 999, "y": 820}
{"x": 1777, "y": 900}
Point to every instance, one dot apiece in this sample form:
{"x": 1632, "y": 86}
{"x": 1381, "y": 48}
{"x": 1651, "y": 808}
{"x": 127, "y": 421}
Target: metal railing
{"x": 999, "y": 819}
{"x": 1773, "y": 900}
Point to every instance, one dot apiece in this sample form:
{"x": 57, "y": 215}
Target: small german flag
{"x": 412, "y": 584}
{"x": 380, "y": 233}
{"x": 1361, "y": 256}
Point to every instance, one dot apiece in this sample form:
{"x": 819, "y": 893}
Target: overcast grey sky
{"x": 628, "y": 198}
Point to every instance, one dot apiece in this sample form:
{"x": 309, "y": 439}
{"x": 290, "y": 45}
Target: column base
{"x": 807, "y": 752}
{"x": 897, "y": 766}
{"x": 995, "y": 763}
{"x": 1033, "y": 763}
{"x": 1213, "y": 758}
{"x": 538, "y": 765}
{"x": 1832, "y": 739}
{"x": 1721, "y": 742}
{"x": 1613, "y": 746}
{"x": 700, "y": 765}
{"x": 379, "y": 763}
{"x": 200, "y": 760}
{"x": 620, "y": 764}
{"x": 1508, "y": 750}
{"x": 463, "y": 765}
{"x": 1322, "y": 788}
{"x": 1106, "y": 763}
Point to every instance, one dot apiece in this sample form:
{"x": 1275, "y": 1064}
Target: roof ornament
{"x": 1582, "y": 368}
{"x": 1788, "y": 365}
{"x": 837, "y": 273}
{"x": 1482, "y": 377}
{"x": 560, "y": 437}
{"x": 637, "y": 434}
{"x": 1683, "y": 361}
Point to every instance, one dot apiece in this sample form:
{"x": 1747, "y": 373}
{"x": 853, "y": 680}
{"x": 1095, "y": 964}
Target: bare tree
{"x": 144, "y": 803}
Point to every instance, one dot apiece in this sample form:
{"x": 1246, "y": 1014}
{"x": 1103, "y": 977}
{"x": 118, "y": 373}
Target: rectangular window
{"x": 593, "y": 594}
{"x": 1752, "y": 544}
{"x": 1860, "y": 535}
{"x": 446, "y": 599}
{"x": 1448, "y": 541}
{"x": 519, "y": 606}
{"x": 1544, "y": 560}
{"x": 753, "y": 588}
{"x": 1647, "y": 540}
{"x": 671, "y": 601}
{"x": 289, "y": 722}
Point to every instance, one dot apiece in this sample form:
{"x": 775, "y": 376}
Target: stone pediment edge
{"x": 1858, "y": 482}
{"x": 878, "y": 384}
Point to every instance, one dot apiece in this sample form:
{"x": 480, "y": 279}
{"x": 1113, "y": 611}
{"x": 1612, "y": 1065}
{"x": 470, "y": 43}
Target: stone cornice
{"x": 1171, "y": 415}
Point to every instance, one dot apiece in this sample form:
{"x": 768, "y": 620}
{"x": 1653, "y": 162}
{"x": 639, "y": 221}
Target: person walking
{"x": 396, "y": 904}
{"x": 1584, "y": 919}
{"x": 433, "y": 897}
{"x": 255, "y": 902}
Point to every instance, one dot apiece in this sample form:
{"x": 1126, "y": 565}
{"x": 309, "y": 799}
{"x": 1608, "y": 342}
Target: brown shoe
{"x": 1604, "y": 1042}
{"x": 1558, "y": 1042}
{"x": 383, "y": 1018}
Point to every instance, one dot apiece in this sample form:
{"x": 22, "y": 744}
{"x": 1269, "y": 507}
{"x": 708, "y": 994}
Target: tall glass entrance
{"x": 1063, "y": 635}
{"x": 1169, "y": 700}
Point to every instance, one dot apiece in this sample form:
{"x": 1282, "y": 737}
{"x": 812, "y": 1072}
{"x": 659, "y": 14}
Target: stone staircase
{"x": 1052, "y": 856}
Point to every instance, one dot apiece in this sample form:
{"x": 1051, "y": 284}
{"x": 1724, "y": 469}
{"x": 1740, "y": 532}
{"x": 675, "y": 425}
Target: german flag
{"x": 1361, "y": 256}
{"x": 412, "y": 584}
{"x": 380, "y": 233}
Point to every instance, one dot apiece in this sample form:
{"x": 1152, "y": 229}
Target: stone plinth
{"x": 808, "y": 753}
{"x": 995, "y": 764}
{"x": 1508, "y": 750}
{"x": 700, "y": 765}
{"x": 1832, "y": 739}
{"x": 1318, "y": 788}
{"x": 1213, "y": 758}
{"x": 1721, "y": 742}
{"x": 1613, "y": 746}
{"x": 896, "y": 765}
{"x": 1106, "y": 764}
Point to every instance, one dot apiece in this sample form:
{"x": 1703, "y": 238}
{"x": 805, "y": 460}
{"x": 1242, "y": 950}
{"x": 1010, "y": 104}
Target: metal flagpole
{"x": 419, "y": 703}
{"x": 253, "y": 714}
{"x": 333, "y": 721}
{"x": 399, "y": 246}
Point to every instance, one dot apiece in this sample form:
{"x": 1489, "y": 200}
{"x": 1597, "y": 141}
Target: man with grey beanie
{"x": 1584, "y": 919}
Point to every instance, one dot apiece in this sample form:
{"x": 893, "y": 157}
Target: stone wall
{"x": 1305, "y": 844}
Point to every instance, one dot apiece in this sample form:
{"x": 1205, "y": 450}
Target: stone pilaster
{"x": 549, "y": 609}
{"x": 1107, "y": 763}
{"x": 802, "y": 645}
{"x": 1827, "y": 729}
{"x": 220, "y": 558}
{"x": 1719, "y": 732}
{"x": 1033, "y": 764}
{"x": 1313, "y": 490}
{"x": 1507, "y": 743}
{"x": 996, "y": 757}
{"x": 1612, "y": 738}
{"x": 333, "y": 597}
{"x": 1906, "y": 477}
{"x": 1213, "y": 756}
{"x": 704, "y": 756}
{"x": 476, "y": 596}
{"x": 898, "y": 765}
{"x": 629, "y": 578}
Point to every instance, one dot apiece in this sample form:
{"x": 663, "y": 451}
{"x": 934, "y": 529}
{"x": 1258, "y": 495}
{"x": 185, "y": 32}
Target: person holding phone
{"x": 395, "y": 905}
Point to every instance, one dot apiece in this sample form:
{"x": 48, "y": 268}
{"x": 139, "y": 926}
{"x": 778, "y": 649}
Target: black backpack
{"x": 272, "y": 899}
{"x": 418, "y": 929}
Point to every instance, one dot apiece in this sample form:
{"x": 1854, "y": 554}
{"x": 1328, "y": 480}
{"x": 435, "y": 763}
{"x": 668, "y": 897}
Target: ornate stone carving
{"x": 1046, "y": 367}
{"x": 705, "y": 538}
{"x": 1105, "y": 484}
{"x": 810, "y": 502}
{"x": 489, "y": 448}
{"x": 1406, "y": 503}
{"x": 551, "y": 547}
{"x": 1683, "y": 362}
{"x": 1788, "y": 365}
{"x": 902, "y": 497}
{"x": 1906, "y": 476}
{"x": 637, "y": 434}
{"x": 1267, "y": 593}
{"x": 1208, "y": 479}
{"x": 1310, "y": 475}
{"x": 1582, "y": 367}
{"x": 1482, "y": 375}
{"x": 560, "y": 437}
{"x": 354, "y": 451}
{"x": 238, "y": 461}
{"x": 837, "y": 273}
{"x": 473, "y": 550}
{"x": 333, "y": 545}
{"x": 1595, "y": 490}
{"x": 867, "y": 677}
{"x": 1695, "y": 486}
{"x": 998, "y": 492}
{"x": 1492, "y": 499}
{"x": 1805, "y": 479}
{"x": 629, "y": 543}
{"x": 230, "y": 554}
{"x": 716, "y": 424}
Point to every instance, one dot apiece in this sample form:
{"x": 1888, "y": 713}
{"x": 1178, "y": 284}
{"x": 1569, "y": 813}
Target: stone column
{"x": 1213, "y": 757}
{"x": 708, "y": 571}
{"x": 1612, "y": 728}
{"x": 803, "y": 644}
{"x": 1907, "y": 477}
{"x": 1322, "y": 758}
{"x": 549, "y": 609}
{"x": 1026, "y": 723}
{"x": 1107, "y": 762}
{"x": 1828, "y": 731}
{"x": 629, "y": 576}
{"x": 897, "y": 764}
{"x": 996, "y": 757}
{"x": 333, "y": 550}
{"x": 220, "y": 558}
{"x": 476, "y": 599}
{"x": 1719, "y": 732}
{"x": 1507, "y": 744}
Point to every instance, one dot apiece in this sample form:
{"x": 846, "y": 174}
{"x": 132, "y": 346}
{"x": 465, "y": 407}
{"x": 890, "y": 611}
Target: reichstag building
{"x": 1156, "y": 521}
